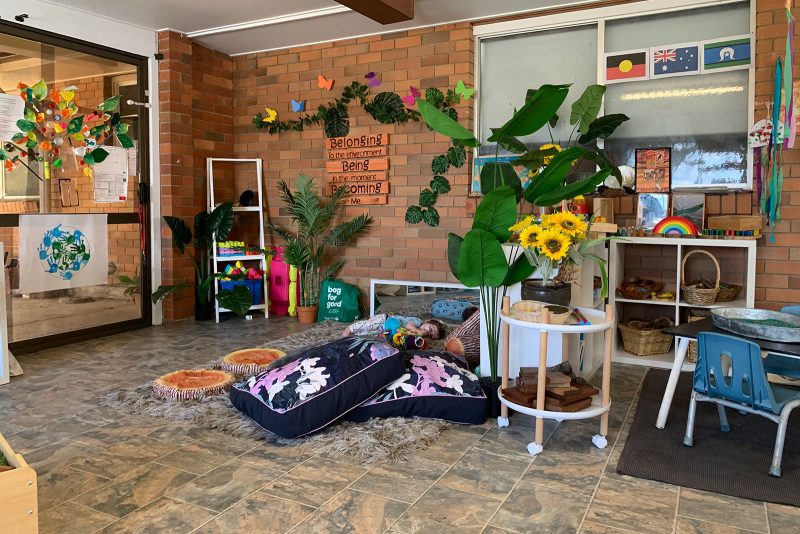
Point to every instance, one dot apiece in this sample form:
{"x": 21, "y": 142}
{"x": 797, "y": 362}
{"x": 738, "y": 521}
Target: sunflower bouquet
{"x": 555, "y": 241}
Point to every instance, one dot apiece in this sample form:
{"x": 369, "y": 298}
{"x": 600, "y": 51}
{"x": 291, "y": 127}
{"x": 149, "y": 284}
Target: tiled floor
{"x": 104, "y": 471}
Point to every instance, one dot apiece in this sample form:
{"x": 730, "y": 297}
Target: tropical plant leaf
{"x": 99, "y": 155}
{"x": 431, "y": 217}
{"x": 456, "y": 156}
{"x": 553, "y": 120}
{"x": 75, "y": 125}
{"x": 344, "y": 232}
{"x": 427, "y": 198}
{"x": 124, "y": 140}
{"x": 520, "y": 270}
{"x": 109, "y": 104}
{"x": 481, "y": 261}
{"x": 163, "y": 291}
{"x": 602, "y": 127}
{"x": 336, "y": 123}
{"x": 219, "y": 223}
{"x": 602, "y": 160}
{"x": 512, "y": 144}
{"x": 413, "y": 215}
{"x": 444, "y": 124}
{"x": 534, "y": 160}
{"x": 494, "y": 175}
{"x": 537, "y": 111}
{"x": 586, "y": 108}
{"x": 581, "y": 187}
{"x": 387, "y": 108}
{"x": 439, "y": 165}
{"x": 434, "y": 96}
{"x": 238, "y": 300}
{"x": 181, "y": 234}
{"x": 333, "y": 269}
{"x": 554, "y": 175}
{"x": 25, "y": 126}
{"x": 496, "y": 212}
{"x": 453, "y": 252}
{"x": 440, "y": 185}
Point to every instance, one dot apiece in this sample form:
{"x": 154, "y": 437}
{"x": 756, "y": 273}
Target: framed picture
{"x": 653, "y": 173}
{"x": 690, "y": 205}
{"x": 650, "y": 209}
{"x": 627, "y": 66}
{"x": 477, "y": 165}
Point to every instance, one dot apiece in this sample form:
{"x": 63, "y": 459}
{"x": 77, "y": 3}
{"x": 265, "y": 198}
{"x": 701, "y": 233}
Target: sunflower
{"x": 521, "y": 225}
{"x": 271, "y": 115}
{"x": 527, "y": 237}
{"x": 568, "y": 222}
{"x": 553, "y": 243}
{"x": 548, "y": 146}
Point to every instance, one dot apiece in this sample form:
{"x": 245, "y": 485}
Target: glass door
{"x": 52, "y": 175}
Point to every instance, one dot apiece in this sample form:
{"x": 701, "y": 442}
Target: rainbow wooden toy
{"x": 675, "y": 225}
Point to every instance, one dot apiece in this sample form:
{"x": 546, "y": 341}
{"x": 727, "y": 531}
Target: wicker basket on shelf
{"x": 643, "y": 339}
{"x": 531, "y": 311}
{"x": 693, "y": 294}
{"x": 728, "y": 292}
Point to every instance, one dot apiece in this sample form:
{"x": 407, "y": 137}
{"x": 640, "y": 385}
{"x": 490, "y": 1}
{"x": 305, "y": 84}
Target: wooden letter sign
{"x": 359, "y": 165}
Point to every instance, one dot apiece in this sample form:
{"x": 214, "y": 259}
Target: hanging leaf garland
{"x": 52, "y": 124}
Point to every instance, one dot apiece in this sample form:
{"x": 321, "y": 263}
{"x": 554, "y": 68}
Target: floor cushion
{"x": 435, "y": 384}
{"x": 451, "y": 309}
{"x": 306, "y": 391}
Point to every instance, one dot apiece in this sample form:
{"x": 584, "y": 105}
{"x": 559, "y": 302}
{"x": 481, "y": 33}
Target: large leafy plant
{"x": 306, "y": 245}
{"x": 478, "y": 259}
{"x": 208, "y": 227}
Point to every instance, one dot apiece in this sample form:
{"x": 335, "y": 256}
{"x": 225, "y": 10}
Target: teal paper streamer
{"x": 776, "y": 116}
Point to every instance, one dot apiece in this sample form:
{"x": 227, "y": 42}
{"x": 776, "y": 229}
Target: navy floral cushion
{"x": 306, "y": 391}
{"x": 435, "y": 384}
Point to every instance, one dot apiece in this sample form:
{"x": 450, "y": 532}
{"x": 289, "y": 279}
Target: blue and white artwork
{"x": 674, "y": 60}
{"x": 59, "y": 251}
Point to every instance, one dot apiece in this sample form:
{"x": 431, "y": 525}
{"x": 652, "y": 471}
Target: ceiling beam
{"x": 383, "y": 11}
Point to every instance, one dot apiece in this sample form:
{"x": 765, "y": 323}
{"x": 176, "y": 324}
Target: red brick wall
{"x": 195, "y": 92}
{"x": 431, "y": 57}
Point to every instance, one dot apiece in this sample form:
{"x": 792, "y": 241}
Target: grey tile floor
{"x": 103, "y": 471}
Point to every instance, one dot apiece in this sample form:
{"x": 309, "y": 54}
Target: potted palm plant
{"x": 208, "y": 227}
{"x": 480, "y": 259}
{"x": 314, "y": 231}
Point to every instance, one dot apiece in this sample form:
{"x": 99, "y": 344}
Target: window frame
{"x": 584, "y": 16}
{"x": 12, "y": 198}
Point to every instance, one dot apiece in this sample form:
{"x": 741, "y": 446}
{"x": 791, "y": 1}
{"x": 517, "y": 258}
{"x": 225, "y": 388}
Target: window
{"x": 703, "y": 117}
{"x": 19, "y": 184}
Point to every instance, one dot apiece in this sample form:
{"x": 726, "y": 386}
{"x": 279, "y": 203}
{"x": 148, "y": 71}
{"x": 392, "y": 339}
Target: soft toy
{"x": 403, "y": 339}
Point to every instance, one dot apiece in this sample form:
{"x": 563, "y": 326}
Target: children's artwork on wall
{"x": 653, "y": 170}
{"x": 627, "y": 66}
{"x": 372, "y": 79}
{"x": 674, "y": 60}
{"x": 729, "y": 53}
{"x": 651, "y": 208}
{"x": 691, "y": 206}
{"x": 324, "y": 83}
{"x": 477, "y": 164}
{"x": 298, "y": 107}
{"x": 62, "y": 251}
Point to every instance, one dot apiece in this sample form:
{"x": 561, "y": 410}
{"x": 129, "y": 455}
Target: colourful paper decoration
{"x": 464, "y": 91}
{"x": 324, "y": 83}
{"x": 372, "y": 79}
{"x": 270, "y": 116}
{"x": 412, "y": 98}
{"x": 298, "y": 107}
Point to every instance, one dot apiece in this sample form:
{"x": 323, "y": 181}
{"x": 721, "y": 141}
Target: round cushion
{"x": 192, "y": 383}
{"x": 249, "y": 361}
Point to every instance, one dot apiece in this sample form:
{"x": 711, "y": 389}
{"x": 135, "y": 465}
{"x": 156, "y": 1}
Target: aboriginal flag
{"x": 626, "y": 66}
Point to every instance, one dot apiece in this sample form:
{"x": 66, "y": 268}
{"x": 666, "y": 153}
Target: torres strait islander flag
{"x": 727, "y": 54}
{"x": 624, "y": 66}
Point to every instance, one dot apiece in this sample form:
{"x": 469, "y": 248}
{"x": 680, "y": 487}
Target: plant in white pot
{"x": 306, "y": 245}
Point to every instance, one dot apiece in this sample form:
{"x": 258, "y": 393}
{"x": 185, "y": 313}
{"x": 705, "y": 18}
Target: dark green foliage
{"x": 427, "y": 198}
{"x": 387, "y": 108}
{"x": 439, "y": 165}
{"x": 431, "y": 216}
{"x": 440, "y": 185}
{"x": 413, "y": 215}
{"x": 456, "y": 156}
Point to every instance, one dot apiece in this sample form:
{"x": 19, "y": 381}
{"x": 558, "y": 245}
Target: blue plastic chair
{"x": 784, "y": 365}
{"x": 729, "y": 372}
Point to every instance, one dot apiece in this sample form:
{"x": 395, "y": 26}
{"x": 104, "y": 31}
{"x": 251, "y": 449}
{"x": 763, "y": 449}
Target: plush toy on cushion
{"x": 404, "y": 339}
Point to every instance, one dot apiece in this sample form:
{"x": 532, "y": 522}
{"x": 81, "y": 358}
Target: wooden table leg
{"x": 607, "y": 370}
{"x": 542, "y": 381}
{"x": 506, "y": 347}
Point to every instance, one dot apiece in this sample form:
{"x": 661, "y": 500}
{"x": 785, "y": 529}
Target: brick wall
{"x": 431, "y": 57}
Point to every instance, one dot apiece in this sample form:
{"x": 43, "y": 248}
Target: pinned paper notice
{"x": 111, "y": 176}
{"x": 12, "y": 109}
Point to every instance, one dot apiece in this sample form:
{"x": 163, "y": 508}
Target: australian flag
{"x": 677, "y": 61}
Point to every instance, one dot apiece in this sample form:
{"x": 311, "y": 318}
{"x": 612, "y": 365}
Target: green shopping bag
{"x": 338, "y": 302}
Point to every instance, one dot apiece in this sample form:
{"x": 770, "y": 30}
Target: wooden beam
{"x": 383, "y": 11}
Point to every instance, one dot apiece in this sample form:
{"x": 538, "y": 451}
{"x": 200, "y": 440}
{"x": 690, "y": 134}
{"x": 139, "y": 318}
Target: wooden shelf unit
{"x": 675, "y": 309}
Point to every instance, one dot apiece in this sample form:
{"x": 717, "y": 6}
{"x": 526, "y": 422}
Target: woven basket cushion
{"x": 192, "y": 383}
{"x": 308, "y": 390}
{"x": 249, "y": 361}
{"x": 436, "y": 385}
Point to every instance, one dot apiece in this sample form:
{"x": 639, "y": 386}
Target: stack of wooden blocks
{"x": 562, "y": 393}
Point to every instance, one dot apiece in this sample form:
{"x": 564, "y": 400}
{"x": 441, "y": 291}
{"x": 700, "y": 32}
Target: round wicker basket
{"x": 249, "y": 361}
{"x": 531, "y": 311}
{"x": 697, "y": 295}
{"x": 192, "y": 383}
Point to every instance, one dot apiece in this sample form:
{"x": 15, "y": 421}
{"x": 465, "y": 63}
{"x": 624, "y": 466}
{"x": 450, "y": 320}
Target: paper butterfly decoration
{"x": 324, "y": 83}
{"x": 298, "y": 107}
{"x": 412, "y": 98}
{"x": 464, "y": 91}
{"x": 271, "y": 115}
{"x": 373, "y": 80}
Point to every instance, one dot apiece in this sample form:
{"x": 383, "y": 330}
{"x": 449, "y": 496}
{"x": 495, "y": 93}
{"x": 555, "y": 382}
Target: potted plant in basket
{"x": 478, "y": 259}
{"x": 208, "y": 227}
{"x": 306, "y": 245}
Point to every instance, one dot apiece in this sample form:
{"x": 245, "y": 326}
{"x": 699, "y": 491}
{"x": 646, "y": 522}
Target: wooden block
{"x": 19, "y": 512}
{"x": 603, "y": 207}
{"x": 518, "y": 397}
{"x": 361, "y": 188}
{"x": 357, "y": 165}
{"x": 357, "y": 141}
{"x": 356, "y": 153}
{"x": 553, "y": 378}
{"x": 375, "y": 176}
{"x": 366, "y": 201}
{"x": 551, "y": 406}
{"x": 735, "y": 222}
{"x": 573, "y": 393}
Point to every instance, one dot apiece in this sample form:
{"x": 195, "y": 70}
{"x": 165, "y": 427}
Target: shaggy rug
{"x": 374, "y": 442}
